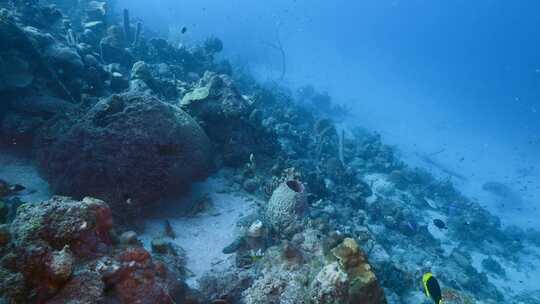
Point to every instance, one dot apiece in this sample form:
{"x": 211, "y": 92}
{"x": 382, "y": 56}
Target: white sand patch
{"x": 19, "y": 170}
{"x": 204, "y": 236}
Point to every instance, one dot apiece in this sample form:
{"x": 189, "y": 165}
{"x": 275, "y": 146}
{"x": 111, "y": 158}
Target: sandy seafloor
{"x": 478, "y": 154}
{"x": 19, "y": 170}
{"x": 204, "y": 235}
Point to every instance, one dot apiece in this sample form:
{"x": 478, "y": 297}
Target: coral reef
{"x": 110, "y": 110}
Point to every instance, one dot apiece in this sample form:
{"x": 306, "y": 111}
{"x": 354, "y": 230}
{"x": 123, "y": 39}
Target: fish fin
{"x": 425, "y": 279}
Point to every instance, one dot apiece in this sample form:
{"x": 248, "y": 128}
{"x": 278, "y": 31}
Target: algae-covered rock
{"x": 278, "y": 283}
{"x": 140, "y": 70}
{"x": 129, "y": 150}
{"x": 26, "y": 116}
{"x": 65, "y": 58}
{"x": 17, "y": 67}
{"x": 85, "y": 287}
{"x": 49, "y": 237}
{"x": 61, "y": 221}
{"x": 12, "y": 286}
{"x": 251, "y": 185}
{"x": 224, "y": 114}
{"x": 215, "y": 95}
{"x": 330, "y": 284}
{"x": 61, "y": 265}
{"x": 15, "y": 71}
{"x": 60, "y": 252}
{"x": 197, "y": 94}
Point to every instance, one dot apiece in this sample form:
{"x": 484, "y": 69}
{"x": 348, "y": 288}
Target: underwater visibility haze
{"x": 286, "y": 151}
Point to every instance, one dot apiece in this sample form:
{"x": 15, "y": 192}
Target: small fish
{"x": 16, "y": 188}
{"x": 169, "y": 231}
{"x": 412, "y": 226}
{"x": 183, "y": 30}
{"x": 432, "y": 288}
{"x": 439, "y": 223}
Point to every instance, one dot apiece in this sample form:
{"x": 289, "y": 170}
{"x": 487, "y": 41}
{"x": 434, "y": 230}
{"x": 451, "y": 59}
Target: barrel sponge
{"x": 287, "y": 205}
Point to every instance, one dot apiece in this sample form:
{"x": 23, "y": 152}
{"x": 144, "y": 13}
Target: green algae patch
{"x": 196, "y": 95}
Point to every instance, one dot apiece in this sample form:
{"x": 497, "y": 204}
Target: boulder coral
{"x": 128, "y": 149}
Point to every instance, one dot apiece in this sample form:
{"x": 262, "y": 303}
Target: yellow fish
{"x": 432, "y": 288}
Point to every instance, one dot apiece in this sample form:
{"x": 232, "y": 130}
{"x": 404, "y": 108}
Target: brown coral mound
{"x": 129, "y": 150}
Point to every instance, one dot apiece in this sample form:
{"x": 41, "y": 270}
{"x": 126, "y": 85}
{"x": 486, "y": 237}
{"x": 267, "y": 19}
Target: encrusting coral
{"x": 62, "y": 251}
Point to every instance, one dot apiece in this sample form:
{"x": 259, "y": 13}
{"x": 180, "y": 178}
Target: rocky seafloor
{"x": 178, "y": 178}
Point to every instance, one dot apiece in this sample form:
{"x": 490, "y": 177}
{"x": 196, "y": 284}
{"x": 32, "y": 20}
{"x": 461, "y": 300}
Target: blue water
{"x": 460, "y": 77}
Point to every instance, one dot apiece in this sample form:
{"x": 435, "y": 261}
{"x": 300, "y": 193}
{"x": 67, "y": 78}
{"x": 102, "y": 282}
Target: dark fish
{"x": 184, "y": 30}
{"x": 412, "y": 225}
{"x": 432, "y": 288}
{"x": 17, "y": 188}
{"x": 439, "y": 223}
{"x": 169, "y": 231}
